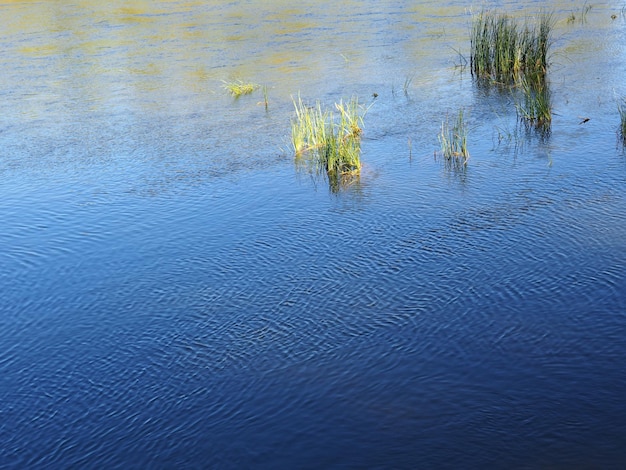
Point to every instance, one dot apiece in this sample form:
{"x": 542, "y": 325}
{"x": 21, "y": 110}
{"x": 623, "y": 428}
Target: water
{"x": 174, "y": 293}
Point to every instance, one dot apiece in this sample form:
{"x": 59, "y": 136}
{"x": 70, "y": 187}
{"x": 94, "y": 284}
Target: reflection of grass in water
{"x": 453, "y": 141}
{"x": 239, "y": 87}
{"x": 583, "y": 14}
{"x": 621, "y": 108}
{"x": 326, "y": 141}
{"x": 407, "y": 84}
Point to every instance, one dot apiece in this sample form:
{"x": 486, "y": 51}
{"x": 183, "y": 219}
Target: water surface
{"x": 175, "y": 293}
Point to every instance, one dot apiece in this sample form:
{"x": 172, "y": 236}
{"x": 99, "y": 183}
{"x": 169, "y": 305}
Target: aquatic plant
{"x": 535, "y": 106}
{"x": 265, "y": 97}
{"x": 328, "y": 141}
{"x": 502, "y": 50}
{"x": 453, "y": 140}
{"x": 493, "y": 46}
{"x": 238, "y": 88}
{"x": 515, "y": 56}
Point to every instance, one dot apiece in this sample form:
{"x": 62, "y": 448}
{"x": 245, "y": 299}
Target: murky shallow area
{"x": 176, "y": 294}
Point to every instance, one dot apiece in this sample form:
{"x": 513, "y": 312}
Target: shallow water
{"x": 175, "y": 293}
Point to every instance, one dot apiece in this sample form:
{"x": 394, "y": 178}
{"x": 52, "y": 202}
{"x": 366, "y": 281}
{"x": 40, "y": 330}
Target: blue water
{"x": 175, "y": 293}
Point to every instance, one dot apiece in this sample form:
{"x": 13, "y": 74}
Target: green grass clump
{"x": 329, "y": 141}
{"x": 453, "y": 140}
{"x": 535, "y": 106}
{"x": 238, "y": 88}
{"x": 515, "y": 55}
{"x": 502, "y": 50}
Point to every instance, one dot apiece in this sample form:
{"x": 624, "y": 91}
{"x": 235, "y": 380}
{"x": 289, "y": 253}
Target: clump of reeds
{"x": 502, "y": 50}
{"x": 453, "y": 140}
{"x": 515, "y": 55}
{"x": 535, "y": 106}
{"x": 329, "y": 141}
{"x": 239, "y": 87}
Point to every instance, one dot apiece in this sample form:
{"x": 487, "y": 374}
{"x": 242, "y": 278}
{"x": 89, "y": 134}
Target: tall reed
{"x": 328, "y": 141}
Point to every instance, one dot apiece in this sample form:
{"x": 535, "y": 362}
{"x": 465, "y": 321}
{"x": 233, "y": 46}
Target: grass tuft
{"x": 238, "y": 88}
{"x": 515, "y": 55}
{"x": 503, "y": 51}
{"x": 535, "y": 106}
{"x": 329, "y": 141}
{"x": 453, "y": 140}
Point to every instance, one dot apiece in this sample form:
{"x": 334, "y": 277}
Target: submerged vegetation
{"x": 329, "y": 142}
{"x": 238, "y": 88}
{"x": 453, "y": 140}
